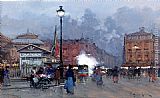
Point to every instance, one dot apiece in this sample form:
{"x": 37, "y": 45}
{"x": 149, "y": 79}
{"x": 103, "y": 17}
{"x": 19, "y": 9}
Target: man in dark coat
{"x": 115, "y": 74}
{"x": 1, "y": 75}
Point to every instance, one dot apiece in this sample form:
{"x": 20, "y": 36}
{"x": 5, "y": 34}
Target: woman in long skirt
{"x": 69, "y": 85}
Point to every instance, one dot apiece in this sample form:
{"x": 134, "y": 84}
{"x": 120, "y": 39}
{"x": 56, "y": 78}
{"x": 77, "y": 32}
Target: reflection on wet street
{"x": 124, "y": 89}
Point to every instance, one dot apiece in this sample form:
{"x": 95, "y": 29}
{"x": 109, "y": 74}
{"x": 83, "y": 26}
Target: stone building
{"x": 7, "y": 52}
{"x": 25, "y": 39}
{"x": 9, "y": 47}
{"x": 4, "y": 40}
{"x": 29, "y": 38}
{"x": 73, "y": 48}
{"x": 139, "y": 49}
{"x": 30, "y": 51}
{"x": 31, "y": 55}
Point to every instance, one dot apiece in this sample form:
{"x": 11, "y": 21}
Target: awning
{"x": 136, "y": 65}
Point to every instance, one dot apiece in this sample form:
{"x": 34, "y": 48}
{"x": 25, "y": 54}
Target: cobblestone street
{"x": 124, "y": 89}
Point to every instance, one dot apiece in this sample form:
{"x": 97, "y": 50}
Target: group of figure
{"x": 4, "y": 76}
{"x": 113, "y": 73}
{"x": 56, "y": 75}
{"x": 131, "y": 73}
{"x": 49, "y": 72}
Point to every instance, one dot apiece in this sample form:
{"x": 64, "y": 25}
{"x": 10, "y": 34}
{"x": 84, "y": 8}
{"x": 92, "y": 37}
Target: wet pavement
{"x": 124, "y": 89}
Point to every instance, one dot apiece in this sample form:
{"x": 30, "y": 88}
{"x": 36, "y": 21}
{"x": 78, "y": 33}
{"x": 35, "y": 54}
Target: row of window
{"x": 139, "y": 56}
{"x": 139, "y": 43}
{"x": 145, "y": 44}
{"x": 137, "y": 50}
{"x": 146, "y": 60}
{"x": 35, "y": 58}
{"x": 139, "y": 37}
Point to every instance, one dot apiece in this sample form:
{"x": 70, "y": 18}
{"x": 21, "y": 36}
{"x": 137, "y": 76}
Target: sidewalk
{"x": 21, "y": 86}
{"x": 16, "y": 85}
{"x": 18, "y": 79}
{"x": 124, "y": 89}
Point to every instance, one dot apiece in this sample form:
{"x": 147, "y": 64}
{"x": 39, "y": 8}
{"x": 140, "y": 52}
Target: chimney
{"x": 141, "y": 29}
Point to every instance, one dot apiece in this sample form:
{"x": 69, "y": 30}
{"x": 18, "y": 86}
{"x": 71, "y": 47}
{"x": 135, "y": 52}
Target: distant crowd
{"x": 132, "y": 73}
{"x": 117, "y": 73}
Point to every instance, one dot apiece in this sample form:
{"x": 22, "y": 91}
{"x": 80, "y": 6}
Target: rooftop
{"x": 27, "y": 41}
{"x": 27, "y": 38}
{"x": 140, "y": 32}
{"x": 27, "y": 35}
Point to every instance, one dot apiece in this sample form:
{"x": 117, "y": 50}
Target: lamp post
{"x": 61, "y": 13}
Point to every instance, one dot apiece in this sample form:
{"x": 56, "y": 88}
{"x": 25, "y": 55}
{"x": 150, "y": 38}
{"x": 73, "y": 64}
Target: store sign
{"x": 30, "y": 54}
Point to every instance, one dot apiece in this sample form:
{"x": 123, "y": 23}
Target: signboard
{"x": 30, "y": 54}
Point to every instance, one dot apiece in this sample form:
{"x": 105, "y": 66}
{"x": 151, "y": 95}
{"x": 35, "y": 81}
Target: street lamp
{"x": 61, "y": 13}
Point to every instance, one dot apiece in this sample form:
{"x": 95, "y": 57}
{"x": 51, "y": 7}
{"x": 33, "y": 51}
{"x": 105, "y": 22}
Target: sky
{"x": 19, "y": 10}
{"x": 75, "y": 8}
{"x": 40, "y": 17}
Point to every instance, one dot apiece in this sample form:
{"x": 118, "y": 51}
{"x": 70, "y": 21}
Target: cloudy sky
{"x": 126, "y": 16}
{"x": 75, "y": 8}
{"x": 19, "y": 11}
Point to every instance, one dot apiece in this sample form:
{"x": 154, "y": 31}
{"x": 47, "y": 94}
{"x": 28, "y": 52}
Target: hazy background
{"x": 102, "y": 21}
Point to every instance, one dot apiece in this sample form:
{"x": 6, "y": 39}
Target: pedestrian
{"x": 99, "y": 74}
{"x": 115, "y": 74}
{"x": 151, "y": 74}
{"x": 93, "y": 76}
{"x": 49, "y": 71}
{"x": 32, "y": 76}
{"x": 139, "y": 73}
{"x": 57, "y": 76}
{"x": 1, "y": 75}
{"x": 6, "y": 76}
{"x": 130, "y": 73}
{"x": 109, "y": 73}
{"x": 69, "y": 85}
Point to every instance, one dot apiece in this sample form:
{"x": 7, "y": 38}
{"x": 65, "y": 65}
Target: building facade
{"x": 73, "y": 48}
{"x": 25, "y": 39}
{"x": 9, "y": 47}
{"x": 7, "y": 52}
{"x": 139, "y": 49}
{"x": 32, "y": 55}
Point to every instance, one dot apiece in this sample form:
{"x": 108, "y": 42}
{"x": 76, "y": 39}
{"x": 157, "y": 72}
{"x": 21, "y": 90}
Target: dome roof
{"x": 28, "y": 38}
